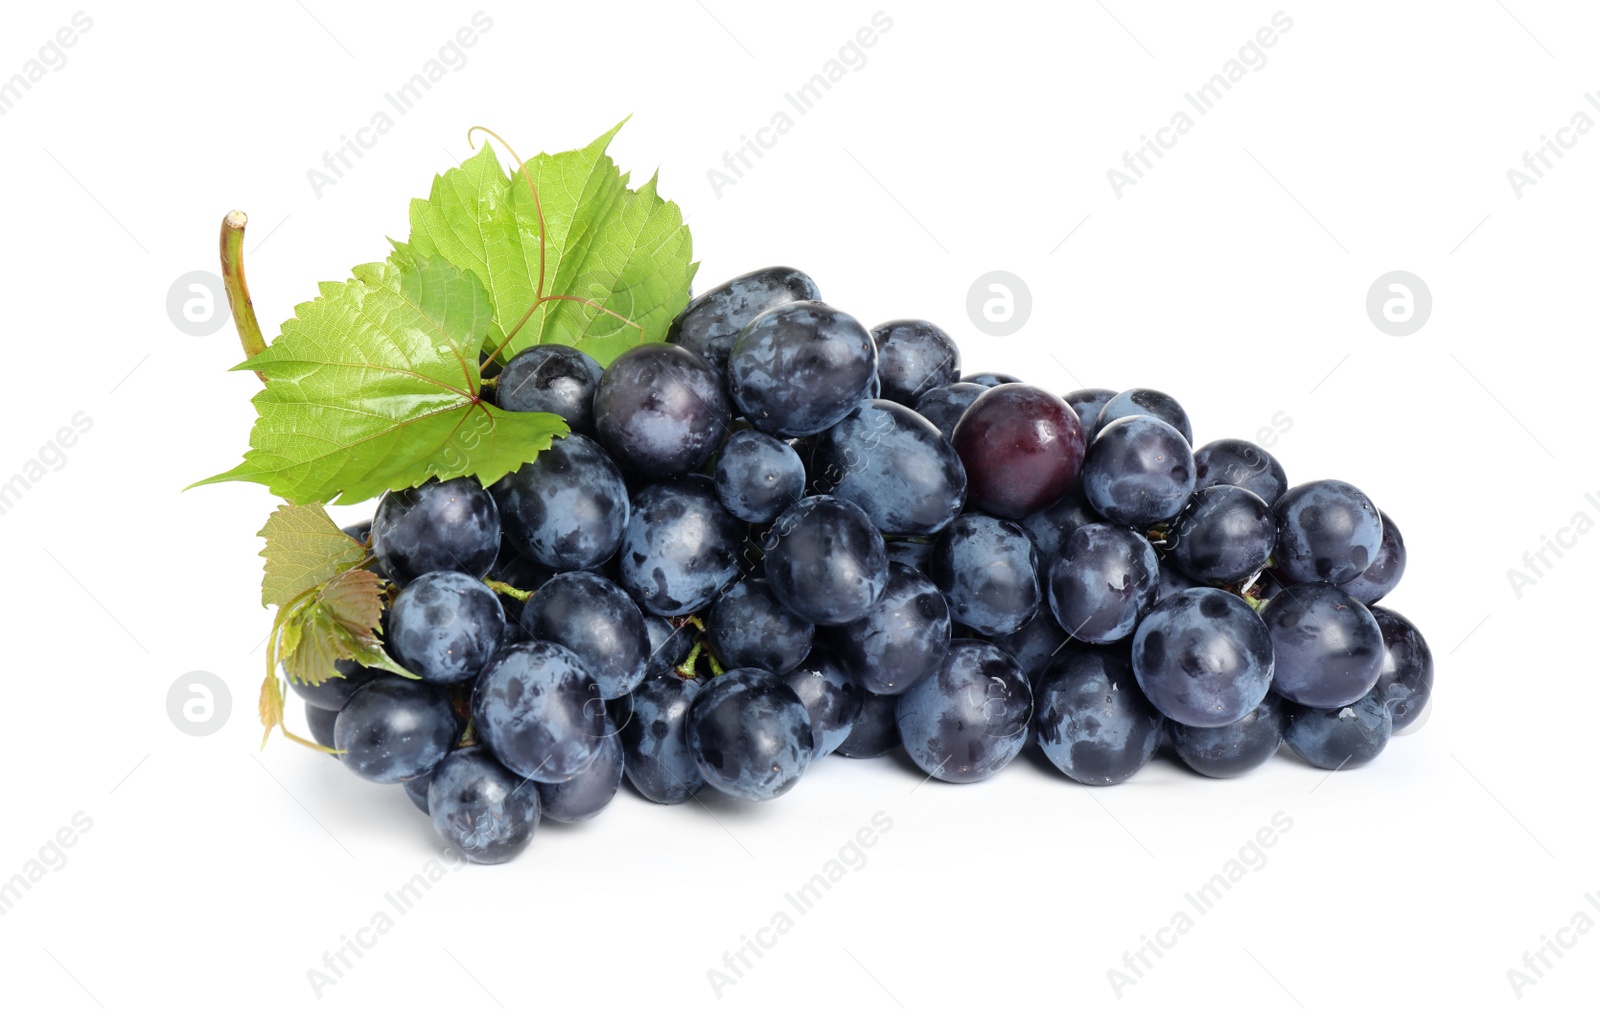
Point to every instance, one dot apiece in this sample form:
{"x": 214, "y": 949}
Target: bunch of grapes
{"x": 780, "y": 535}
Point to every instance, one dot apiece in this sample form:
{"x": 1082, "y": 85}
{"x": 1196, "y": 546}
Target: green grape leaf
{"x": 304, "y": 549}
{"x": 333, "y": 621}
{"x": 375, "y": 386}
{"x": 627, "y": 250}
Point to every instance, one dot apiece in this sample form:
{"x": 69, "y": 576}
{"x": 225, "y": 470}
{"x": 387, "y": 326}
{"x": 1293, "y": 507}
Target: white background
{"x": 975, "y": 138}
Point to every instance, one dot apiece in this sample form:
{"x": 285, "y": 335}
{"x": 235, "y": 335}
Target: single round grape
{"x": 831, "y": 697}
{"x": 1088, "y": 403}
{"x": 945, "y": 405}
{"x": 392, "y": 729}
{"x": 1383, "y": 574}
{"x": 1405, "y": 681}
{"x": 669, "y": 644}
{"x": 1101, "y": 582}
{"x": 1203, "y": 657}
{"x": 970, "y": 718}
{"x": 901, "y": 640}
{"x": 598, "y": 622}
{"x": 986, "y": 567}
{"x": 481, "y": 808}
{"x": 321, "y": 721}
{"x": 660, "y": 411}
{"x": 757, "y": 476}
{"x": 551, "y": 378}
{"x": 1328, "y": 531}
{"x": 565, "y": 510}
{"x": 799, "y": 368}
{"x": 585, "y": 795}
{"x": 1093, "y": 722}
{"x": 539, "y": 712}
{"x": 990, "y": 379}
{"x": 914, "y": 356}
{"x": 1223, "y": 536}
{"x": 1022, "y": 448}
{"x": 680, "y": 547}
{"x": 1240, "y": 463}
{"x": 825, "y": 561}
{"x": 1227, "y": 751}
{"x": 1051, "y": 525}
{"x": 874, "y": 731}
{"x": 1147, "y": 403}
{"x": 750, "y": 734}
{"x": 1034, "y": 644}
{"x": 445, "y": 625}
{"x": 710, "y": 323}
{"x": 1138, "y": 471}
{"x": 1339, "y": 738}
{"x": 1329, "y": 649}
{"x": 893, "y": 463}
{"x": 439, "y": 526}
{"x": 748, "y": 627}
{"x": 332, "y": 693}
{"x": 655, "y": 740}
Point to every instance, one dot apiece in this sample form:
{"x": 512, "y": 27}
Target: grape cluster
{"x": 781, "y": 535}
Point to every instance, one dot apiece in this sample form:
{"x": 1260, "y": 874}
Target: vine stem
{"x": 231, "y": 246}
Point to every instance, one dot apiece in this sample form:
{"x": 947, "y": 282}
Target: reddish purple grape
{"x": 1022, "y": 448}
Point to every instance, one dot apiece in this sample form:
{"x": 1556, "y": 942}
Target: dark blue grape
{"x": 831, "y": 697}
{"x": 1138, "y": 471}
{"x": 392, "y": 729}
{"x": 1171, "y": 580}
{"x": 1383, "y": 574}
{"x": 1223, "y": 536}
{"x": 914, "y": 356}
{"x": 566, "y": 510}
{"x": 1328, "y": 531}
{"x": 1227, "y": 751}
{"x": 539, "y": 712}
{"x": 970, "y": 718}
{"x": 757, "y": 476}
{"x": 750, "y": 734}
{"x": 416, "y": 790}
{"x": 800, "y": 368}
{"x": 333, "y": 692}
{"x": 1147, "y": 403}
{"x": 945, "y": 405}
{"x": 825, "y": 561}
{"x": 1034, "y": 644}
{"x": 448, "y": 526}
{"x": 481, "y": 808}
{"x": 1092, "y": 720}
{"x": 660, "y": 411}
{"x": 874, "y": 731}
{"x": 894, "y": 464}
{"x": 583, "y": 796}
{"x": 913, "y": 553}
{"x": 669, "y": 644}
{"x": 1089, "y": 403}
{"x": 901, "y": 640}
{"x": 990, "y": 379}
{"x": 598, "y": 622}
{"x": 655, "y": 741}
{"x": 445, "y": 625}
{"x": 1203, "y": 657}
{"x": 1339, "y": 738}
{"x": 1329, "y": 649}
{"x": 551, "y": 378}
{"x": 710, "y": 323}
{"x": 1101, "y": 582}
{"x": 321, "y": 721}
{"x": 1050, "y": 526}
{"x": 680, "y": 547}
{"x": 986, "y": 567}
{"x": 1405, "y": 682}
{"x": 747, "y": 626}
{"x": 1239, "y": 463}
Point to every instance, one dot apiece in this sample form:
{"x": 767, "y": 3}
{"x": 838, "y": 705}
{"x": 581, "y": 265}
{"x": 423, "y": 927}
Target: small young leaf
{"x": 270, "y": 705}
{"x": 338, "y": 620}
{"x": 304, "y": 549}
{"x": 374, "y": 386}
